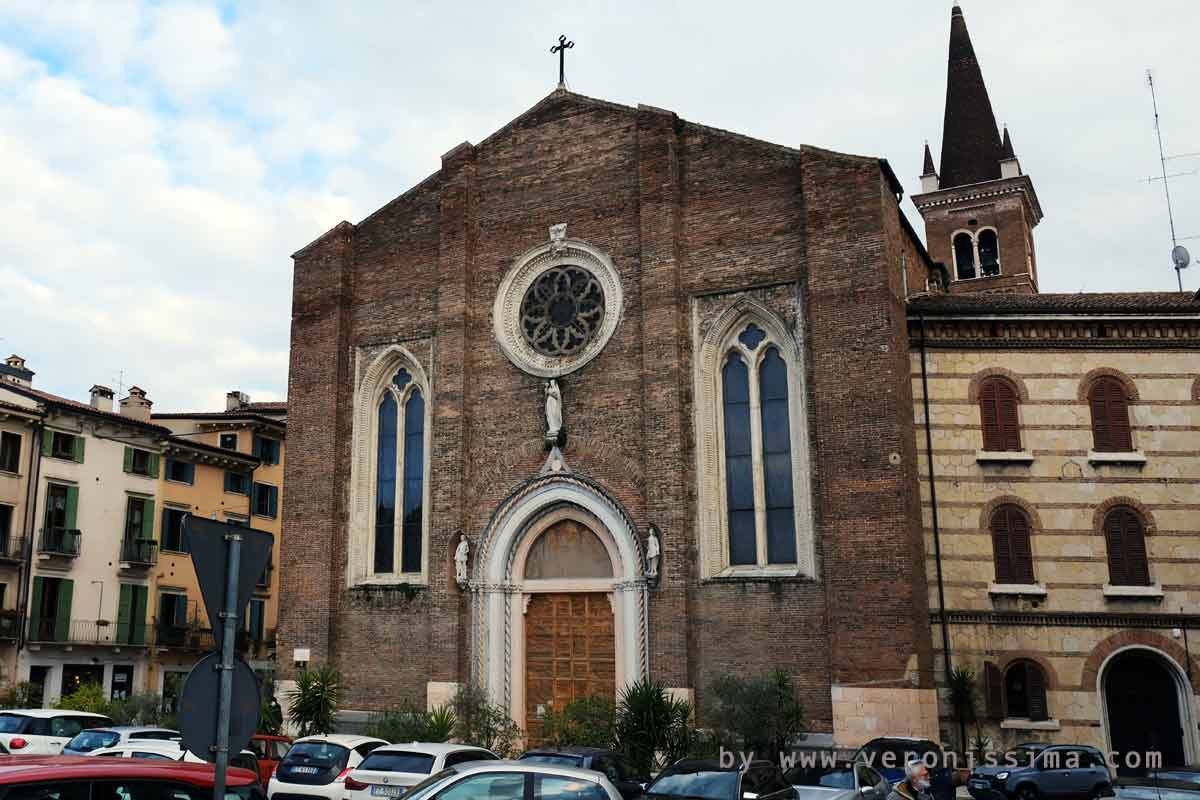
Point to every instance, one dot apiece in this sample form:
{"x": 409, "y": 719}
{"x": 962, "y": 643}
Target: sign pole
{"x": 228, "y": 632}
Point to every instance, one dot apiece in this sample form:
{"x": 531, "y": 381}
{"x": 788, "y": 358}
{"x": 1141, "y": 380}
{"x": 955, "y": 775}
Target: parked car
{"x": 706, "y": 778}
{"x": 316, "y": 766}
{"x": 615, "y": 766}
{"x": 172, "y": 751}
{"x": 44, "y": 731}
{"x": 514, "y": 780}
{"x": 270, "y": 750}
{"x": 91, "y": 739}
{"x": 84, "y": 778}
{"x": 389, "y": 771}
{"x": 887, "y": 755}
{"x": 841, "y": 781}
{"x": 1033, "y": 771}
{"x": 1168, "y": 783}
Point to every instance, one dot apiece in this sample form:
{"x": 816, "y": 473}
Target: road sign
{"x": 198, "y": 706}
{"x": 208, "y": 546}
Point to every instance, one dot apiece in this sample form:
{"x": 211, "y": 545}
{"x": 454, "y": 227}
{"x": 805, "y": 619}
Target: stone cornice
{"x": 1058, "y": 331}
{"x": 1067, "y": 619}
{"x": 1022, "y": 184}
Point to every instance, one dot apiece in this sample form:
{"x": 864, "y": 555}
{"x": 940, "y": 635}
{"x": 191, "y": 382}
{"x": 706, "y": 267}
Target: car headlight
{"x": 1003, "y": 776}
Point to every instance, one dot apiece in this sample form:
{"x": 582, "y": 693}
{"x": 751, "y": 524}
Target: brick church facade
{"x": 615, "y": 394}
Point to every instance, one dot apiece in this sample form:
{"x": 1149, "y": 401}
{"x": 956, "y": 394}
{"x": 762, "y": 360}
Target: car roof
{"x": 571, "y": 750}
{"x": 150, "y": 745}
{"x": 33, "y": 769}
{"x": 133, "y": 729}
{"x": 472, "y": 767}
{"x": 343, "y": 739}
{"x": 427, "y": 748}
{"x": 50, "y": 712}
{"x": 690, "y": 765}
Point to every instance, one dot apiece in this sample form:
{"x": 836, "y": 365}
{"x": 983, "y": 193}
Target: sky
{"x": 160, "y": 161}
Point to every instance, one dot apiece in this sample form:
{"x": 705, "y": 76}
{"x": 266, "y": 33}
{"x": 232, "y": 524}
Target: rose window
{"x": 562, "y": 310}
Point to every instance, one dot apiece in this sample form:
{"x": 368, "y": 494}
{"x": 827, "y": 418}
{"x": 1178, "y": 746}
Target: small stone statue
{"x": 554, "y": 417}
{"x": 652, "y": 552}
{"x": 461, "y": 554}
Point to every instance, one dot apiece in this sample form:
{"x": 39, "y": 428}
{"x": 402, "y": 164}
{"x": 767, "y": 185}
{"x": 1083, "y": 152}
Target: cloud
{"x": 161, "y": 160}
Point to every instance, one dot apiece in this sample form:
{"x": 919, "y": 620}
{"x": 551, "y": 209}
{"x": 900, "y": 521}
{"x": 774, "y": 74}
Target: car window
{"x": 65, "y": 726}
{"x": 769, "y": 780}
{"x": 555, "y": 787}
{"x": 281, "y": 749}
{"x": 49, "y": 790}
{"x": 318, "y": 754}
{"x": 261, "y": 747}
{"x": 605, "y": 766}
{"x": 38, "y": 727}
{"x": 463, "y": 756}
{"x": 13, "y": 723}
{"x": 711, "y": 785}
{"x": 147, "y": 754}
{"x": 158, "y": 736}
{"x": 866, "y": 776}
{"x": 490, "y": 785}
{"x": 1177, "y": 776}
{"x": 557, "y": 759}
{"x": 116, "y": 754}
{"x": 366, "y": 748}
{"x": 400, "y": 761}
{"x": 87, "y": 741}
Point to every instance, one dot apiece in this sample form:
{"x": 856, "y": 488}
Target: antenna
{"x": 120, "y": 381}
{"x": 1179, "y": 254}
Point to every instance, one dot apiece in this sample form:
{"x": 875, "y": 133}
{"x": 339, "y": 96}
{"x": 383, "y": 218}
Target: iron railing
{"x": 87, "y": 631}
{"x": 59, "y": 542}
{"x": 12, "y": 549}
{"x": 139, "y": 552}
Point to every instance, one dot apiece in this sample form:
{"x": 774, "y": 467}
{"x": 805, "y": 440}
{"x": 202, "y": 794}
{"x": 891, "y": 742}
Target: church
{"x": 615, "y": 394}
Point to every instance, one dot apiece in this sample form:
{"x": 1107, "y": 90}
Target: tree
{"x": 964, "y": 699}
{"x": 313, "y": 704}
{"x": 586, "y": 722}
{"x": 477, "y": 721}
{"x": 756, "y": 714}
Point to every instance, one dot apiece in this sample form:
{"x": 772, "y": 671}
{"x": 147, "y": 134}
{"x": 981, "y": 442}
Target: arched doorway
{"x": 1141, "y": 695}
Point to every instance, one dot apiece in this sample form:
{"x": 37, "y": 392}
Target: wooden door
{"x": 570, "y": 653}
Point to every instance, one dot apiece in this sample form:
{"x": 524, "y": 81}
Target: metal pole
{"x": 228, "y": 632}
{"x": 1162, "y": 159}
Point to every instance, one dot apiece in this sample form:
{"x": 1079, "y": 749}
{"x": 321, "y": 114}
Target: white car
{"x": 514, "y": 780}
{"x": 44, "y": 731}
{"x": 91, "y": 739}
{"x": 316, "y": 766}
{"x": 171, "y": 751}
{"x": 389, "y": 771}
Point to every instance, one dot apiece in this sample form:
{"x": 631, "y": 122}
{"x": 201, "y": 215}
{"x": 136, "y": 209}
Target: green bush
{"x": 88, "y": 697}
{"x": 477, "y": 721}
{"x": 138, "y": 709}
{"x": 270, "y": 715}
{"x": 755, "y": 714}
{"x": 652, "y": 728}
{"x": 20, "y": 695}
{"x": 410, "y": 723}
{"x": 587, "y": 722}
{"x": 313, "y": 704}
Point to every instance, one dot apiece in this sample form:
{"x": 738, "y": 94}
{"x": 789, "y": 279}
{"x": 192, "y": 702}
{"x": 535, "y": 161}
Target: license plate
{"x": 387, "y": 791}
{"x": 980, "y": 784}
{"x": 305, "y": 770}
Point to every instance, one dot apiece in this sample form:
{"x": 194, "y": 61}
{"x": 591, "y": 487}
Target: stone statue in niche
{"x": 554, "y": 415}
{"x": 652, "y": 552}
{"x": 461, "y": 554}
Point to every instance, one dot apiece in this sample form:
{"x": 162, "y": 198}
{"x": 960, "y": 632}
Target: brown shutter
{"x": 1006, "y": 412}
{"x": 1114, "y": 539}
{"x": 1101, "y": 436}
{"x": 1118, "y": 418}
{"x": 989, "y": 416}
{"x": 993, "y": 689}
{"x": 1022, "y": 551}
{"x": 1002, "y": 546}
{"x": 1035, "y": 690}
{"x": 1133, "y": 538}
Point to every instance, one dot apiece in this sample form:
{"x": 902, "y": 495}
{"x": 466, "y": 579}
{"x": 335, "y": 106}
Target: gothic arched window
{"x": 964, "y": 256}
{"x": 989, "y": 253}
{"x": 739, "y": 463}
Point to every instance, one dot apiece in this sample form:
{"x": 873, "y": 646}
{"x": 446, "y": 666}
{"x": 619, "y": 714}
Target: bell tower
{"x": 980, "y": 209}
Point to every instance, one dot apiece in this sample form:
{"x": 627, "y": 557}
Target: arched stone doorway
{"x": 559, "y": 599}
{"x": 1144, "y": 710}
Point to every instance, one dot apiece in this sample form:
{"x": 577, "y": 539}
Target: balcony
{"x": 139, "y": 553}
{"x": 58, "y": 543}
{"x": 99, "y": 632}
{"x": 183, "y": 637}
{"x": 12, "y": 550}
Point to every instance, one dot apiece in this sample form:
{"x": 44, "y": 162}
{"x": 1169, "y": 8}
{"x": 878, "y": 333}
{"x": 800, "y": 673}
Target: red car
{"x": 83, "y": 778}
{"x": 270, "y": 750}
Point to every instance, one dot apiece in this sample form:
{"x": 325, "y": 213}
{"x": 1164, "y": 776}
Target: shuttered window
{"x": 1025, "y": 691}
{"x": 1011, "y": 545}
{"x": 1126, "y": 540}
{"x": 1110, "y": 416}
{"x": 993, "y": 690}
{"x": 998, "y": 400}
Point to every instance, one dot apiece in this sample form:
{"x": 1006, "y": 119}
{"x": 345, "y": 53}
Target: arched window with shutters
{"x": 1125, "y": 539}
{"x": 998, "y": 405}
{"x": 1109, "y": 403}
{"x": 1011, "y": 548}
{"x": 1025, "y": 691}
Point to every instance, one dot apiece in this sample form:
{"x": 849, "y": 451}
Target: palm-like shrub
{"x": 410, "y": 723}
{"x": 652, "y": 728}
{"x": 313, "y": 704}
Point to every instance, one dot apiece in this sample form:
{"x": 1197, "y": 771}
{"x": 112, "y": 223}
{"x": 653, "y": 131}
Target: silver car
{"x": 839, "y": 781}
{"x": 513, "y": 780}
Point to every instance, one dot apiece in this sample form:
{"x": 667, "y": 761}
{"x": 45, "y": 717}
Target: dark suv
{"x": 1033, "y": 771}
{"x": 615, "y": 766}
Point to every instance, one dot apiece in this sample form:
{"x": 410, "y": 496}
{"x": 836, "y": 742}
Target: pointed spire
{"x": 1006, "y": 148}
{"x": 927, "y": 169}
{"x": 970, "y": 140}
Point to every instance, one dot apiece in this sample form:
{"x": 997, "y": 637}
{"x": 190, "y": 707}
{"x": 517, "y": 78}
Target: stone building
{"x": 1060, "y": 507}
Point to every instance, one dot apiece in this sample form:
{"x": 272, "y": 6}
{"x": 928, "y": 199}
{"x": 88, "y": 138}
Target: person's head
{"x": 917, "y": 773}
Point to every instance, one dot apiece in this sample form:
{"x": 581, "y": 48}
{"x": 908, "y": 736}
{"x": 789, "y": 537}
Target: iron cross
{"x": 561, "y": 48}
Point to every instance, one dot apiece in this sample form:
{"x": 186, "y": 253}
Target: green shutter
{"x": 35, "y": 614}
{"x": 255, "y": 490}
{"x": 153, "y": 463}
{"x": 180, "y": 611}
{"x": 79, "y": 442}
{"x": 256, "y": 447}
{"x": 129, "y": 459}
{"x": 228, "y": 481}
{"x": 62, "y": 620}
{"x": 148, "y": 520}
{"x": 123, "y": 612}
{"x": 72, "y": 507}
{"x": 273, "y": 501}
{"x": 47, "y": 441}
{"x": 138, "y": 622}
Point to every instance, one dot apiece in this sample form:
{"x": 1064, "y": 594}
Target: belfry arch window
{"x": 976, "y": 254}
{"x": 755, "y": 505}
{"x": 964, "y": 256}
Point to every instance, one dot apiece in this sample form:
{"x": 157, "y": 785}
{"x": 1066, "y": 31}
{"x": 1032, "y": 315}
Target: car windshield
{"x": 712, "y": 785}
{"x": 394, "y": 761}
{"x": 558, "y": 759}
{"x": 13, "y": 723}
{"x": 829, "y": 777}
{"x": 1182, "y": 777}
{"x": 1019, "y": 757}
{"x": 318, "y": 754}
{"x": 895, "y": 754}
{"x": 87, "y": 741}
{"x": 426, "y": 787}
